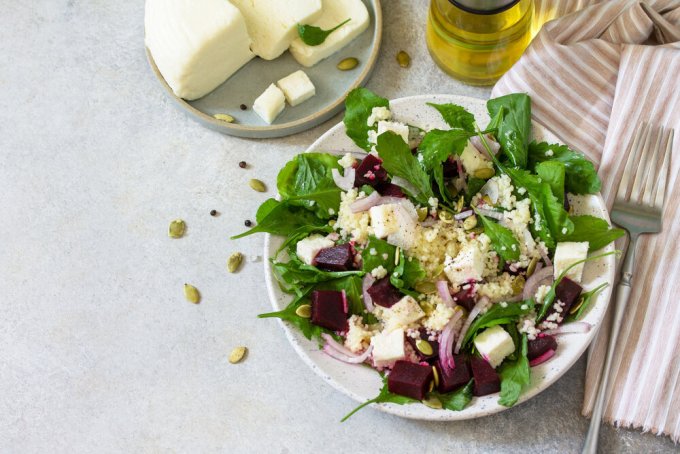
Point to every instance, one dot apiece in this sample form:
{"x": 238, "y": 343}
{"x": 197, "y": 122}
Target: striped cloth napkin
{"x": 595, "y": 74}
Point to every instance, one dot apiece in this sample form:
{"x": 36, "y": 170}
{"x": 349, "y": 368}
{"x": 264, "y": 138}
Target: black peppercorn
{"x": 248, "y": 223}
{"x": 242, "y": 164}
{"x": 213, "y": 212}
{"x": 243, "y": 107}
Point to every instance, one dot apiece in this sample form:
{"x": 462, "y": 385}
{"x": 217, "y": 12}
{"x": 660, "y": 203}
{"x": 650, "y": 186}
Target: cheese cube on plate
{"x": 307, "y": 248}
{"x": 270, "y": 103}
{"x": 296, "y": 87}
{"x": 494, "y": 344}
{"x": 335, "y": 12}
{"x": 467, "y": 266}
{"x": 567, "y": 253}
{"x": 272, "y": 24}
{"x": 473, "y": 160}
{"x": 388, "y": 347}
{"x": 396, "y": 222}
{"x": 196, "y": 44}
{"x": 402, "y": 314}
{"x": 398, "y": 128}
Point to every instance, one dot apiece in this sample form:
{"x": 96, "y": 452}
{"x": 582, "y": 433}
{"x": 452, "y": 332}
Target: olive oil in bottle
{"x": 477, "y": 41}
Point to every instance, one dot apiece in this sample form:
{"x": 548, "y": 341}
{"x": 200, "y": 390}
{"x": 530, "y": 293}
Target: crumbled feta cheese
{"x": 541, "y": 293}
{"x": 378, "y": 114}
{"x": 494, "y": 344}
{"x": 549, "y": 153}
{"x": 372, "y": 251}
{"x": 331, "y": 211}
{"x": 527, "y": 324}
{"x": 385, "y": 255}
{"x": 564, "y": 230}
{"x": 350, "y": 224}
{"x": 398, "y": 128}
{"x": 347, "y": 161}
{"x": 521, "y": 191}
{"x": 379, "y": 272}
{"x": 433, "y": 202}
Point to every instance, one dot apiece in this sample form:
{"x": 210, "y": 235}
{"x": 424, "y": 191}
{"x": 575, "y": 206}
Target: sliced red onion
{"x": 337, "y": 346}
{"x": 490, "y": 213}
{"x": 403, "y": 183}
{"x": 354, "y": 359}
{"x": 366, "y": 203}
{"x": 543, "y": 358}
{"x": 365, "y": 285}
{"x": 463, "y": 214}
{"x": 544, "y": 256}
{"x": 446, "y": 341}
{"x": 444, "y": 293}
{"x": 535, "y": 281}
{"x": 481, "y": 304}
{"x": 570, "y": 328}
{"x": 346, "y": 181}
{"x": 493, "y": 145}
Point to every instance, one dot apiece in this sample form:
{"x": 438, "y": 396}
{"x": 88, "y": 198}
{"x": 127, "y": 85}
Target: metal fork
{"x": 638, "y": 208}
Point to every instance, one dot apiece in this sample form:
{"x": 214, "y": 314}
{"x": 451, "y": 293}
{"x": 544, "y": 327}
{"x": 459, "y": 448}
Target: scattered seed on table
{"x": 403, "y": 59}
{"x": 213, "y": 213}
{"x": 243, "y": 107}
{"x": 248, "y": 223}
{"x": 192, "y": 294}
{"x": 234, "y": 262}
{"x": 348, "y": 64}
{"x": 224, "y": 117}
{"x": 242, "y": 164}
{"x": 176, "y": 228}
{"x": 237, "y": 354}
{"x": 257, "y": 185}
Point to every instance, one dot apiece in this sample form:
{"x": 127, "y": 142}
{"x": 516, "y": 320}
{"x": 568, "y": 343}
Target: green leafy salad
{"x": 450, "y": 260}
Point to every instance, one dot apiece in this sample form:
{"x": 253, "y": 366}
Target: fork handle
{"x": 623, "y": 291}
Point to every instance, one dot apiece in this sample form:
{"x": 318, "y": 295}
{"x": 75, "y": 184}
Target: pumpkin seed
{"x": 436, "y": 376}
{"x": 460, "y": 204}
{"x": 432, "y": 401}
{"x": 422, "y": 213}
{"x": 403, "y": 59}
{"x": 518, "y": 285}
{"x": 304, "y": 311}
{"x": 426, "y": 306}
{"x": 237, "y": 354}
{"x": 577, "y": 306}
{"x": 192, "y": 294}
{"x": 484, "y": 173}
{"x": 532, "y": 266}
{"x": 224, "y": 117}
{"x": 397, "y": 256}
{"x": 177, "y": 228}
{"x": 446, "y": 216}
{"x": 426, "y": 287}
{"x": 470, "y": 222}
{"x": 424, "y": 347}
{"x": 487, "y": 199}
{"x": 348, "y": 64}
{"x": 234, "y": 262}
{"x": 257, "y": 185}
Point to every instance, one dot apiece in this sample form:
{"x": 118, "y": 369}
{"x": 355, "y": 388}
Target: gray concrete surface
{"x": 99, "y": 351}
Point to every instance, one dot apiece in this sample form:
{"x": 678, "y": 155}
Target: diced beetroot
{"x": 459, "y": 376}
{"x": 329, "y": 310}
{"x": 390, "y": 190}
{"x": 421, "y": 355}
{"x": 568, "y": 292}
{"x": 383, "y": 293}
{"x": 410, "y": 379}
{"x": 450, "y": 169}
{"x": 541, "y": 345}
{"x": 466, "y": 298}
{"x": 370, "y": 172}
{"x": 336, "y": 258}
{"x": 487, "y": 380}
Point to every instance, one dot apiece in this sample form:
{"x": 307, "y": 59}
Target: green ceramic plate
{"x": 332, "y": 85}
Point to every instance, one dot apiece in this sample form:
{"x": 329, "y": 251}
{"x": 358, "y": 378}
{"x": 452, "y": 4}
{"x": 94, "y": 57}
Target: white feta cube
{"x": 397, "y": 222}
{"x": 306, "y": 249}
{"x": 347, "y": 161}
{"x": 473, "y": 160}
{"x": 494, "y": 344}
{"x": 566, "y": 254}
{"x": 467, "y": 266}
{"x": 270, "y": 103}
{"x": 377, "y": 114}
{"x": 405, "y": 312}
{"x": 388, "y": 348}
{"x": 297, "y": 87}
{"x": 398, "y": 128}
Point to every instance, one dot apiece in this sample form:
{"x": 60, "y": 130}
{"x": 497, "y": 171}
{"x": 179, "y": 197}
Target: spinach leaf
{"x": 514, "y": 129}
{"x": 384, "y": 396}
{"x": 295, "y": 274}
{"x": 358, "y": 106}
{"x": 583, "y": 303}
{"x": 436, "y": 147}
{"x": 300, "y": 233}
{"x": 381, "y": 248}
{"x": 498, "y": 315}
{"x": 307, "y": 181}
{"x": 352, "y": 287}
{"x": 594, "y": 230}
{"x": 399, "y": 161}
{"x": 306, "y": 327}
{"x": 313, "y": 36}
{"x": 515, "y": 376}
{"x": 552, "y": 172}
{"x": 457, "y": 400}
{"x": 407, "y": 273}
{"x": 581, "y": 176}
{"x": 474, "y": 185}
{"x": 456, "y": 116}
{"x": 281, "y": 218}
{"x": 502, "y": 239}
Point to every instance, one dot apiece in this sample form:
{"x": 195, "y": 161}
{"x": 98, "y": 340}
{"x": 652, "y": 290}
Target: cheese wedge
{"x": 334, "y": 13}
{"x": 196, "y": 44}
{"x": 272, "y": 24}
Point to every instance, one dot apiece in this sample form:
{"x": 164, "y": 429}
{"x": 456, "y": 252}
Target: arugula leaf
{"x": 515, "y": 376}
{"x": 381, "y": 247}
{"x": 456, "y": 116}
{"x": 457, "y": 400}
{"x": 581, "y": 176}
{"x": 399, "y": 161}
{"x": 307, "y": 181}
{"x": 313, "y": 36}
{"x": 495, "y": 121}
{"x": 438, "y": 145}
{"x": 498, "y": 315}
{"x": 552, "y": 172}
{"x": 407, "y": 273}
{"x": 502, "y": 239}
{"x": 596, "y": 231}
{"x": 583, "y": 302}
{"x": 306, "y": 327}
{"x": 295, "y": 274}
{"x": 514, "y": 129}
{"x": 358, "y": 107}
{"x": 280, "y": 218}
{"x": 474, "y": 185}
{"x": 384, "y": 396}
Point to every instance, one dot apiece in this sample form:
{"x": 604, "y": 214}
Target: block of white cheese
{"x": 397, "y": 222}
{"x": 388, "y": 348}
{"x": 272, "y": 24}
{"x": 306, "y": 249}
{"x": 568, "y": 253}
{"x": 398, "y": 128}
{"x": 296, "y": 87}
{"x": 335, "y": 12}
{"x": 270, "y": 103}
{"x": 473, "y": 160}
{"x": 402, "y": 314}
{"x": 467, "y": 266}
{"x": 494, "y": 344}
{"x": 196, "y": 44}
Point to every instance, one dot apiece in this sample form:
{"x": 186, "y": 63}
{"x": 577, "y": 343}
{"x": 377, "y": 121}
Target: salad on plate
{"x": 449, "y": 260}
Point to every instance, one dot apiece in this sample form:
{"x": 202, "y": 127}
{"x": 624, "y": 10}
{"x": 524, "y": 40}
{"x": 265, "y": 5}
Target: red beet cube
{"x": 487, "y": 380}
{"x": 465, "y": 298}
{"x": 390, "y": 190}
{"x": 383, "y": 293}
{"x": 454, "y": 379}
{"x": 568, "y": 292}
{"x": 336, "y": 258}
{"x": 410, "y": 379}
{"x": 370, "y": 172}
{"x": 450, "y": 168}
{"x": 329, "y": 310}
{"x": 540, "y": 345}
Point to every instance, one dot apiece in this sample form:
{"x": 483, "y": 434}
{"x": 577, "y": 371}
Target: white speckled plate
{"x": 362, "y": 383}
{"x": 332, "y": 86}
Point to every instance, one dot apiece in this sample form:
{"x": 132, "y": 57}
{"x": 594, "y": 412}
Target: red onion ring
{"x": 490, "y": 213}
{"x": 366, "y": 203}
{"x": 544, "y": 256}
{"x": 462, "y": 215}
{"x": 493, "y": 145}
{"x": 444, "y": 293}
{"x": 543, "y": 358}
{"x": 365, "y": 285}
{"x": 536, "y": 279}
{"x": 481, "y": 304}
{"x": 330, "y": 351}
{"x": 346, "y": 181}
{"x": 446, "y": 341}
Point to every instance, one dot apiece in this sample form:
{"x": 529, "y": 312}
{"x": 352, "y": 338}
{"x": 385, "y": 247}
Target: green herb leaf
{"x": 474, "y": 185}
{"x": 498, "y": 315}
{"x": 313, "y": 36}
{"x": 295, "y": 274}
{"x": 381, "y": 248}
{"x": 515, "y": 376}
{"x": 456, "y": 116}
{"x": 384, "y": 396}
{"x": 436, "y": 147}
{"x": 358, "y": 107}
{"x": 399, "y": 161}
{"x": 306, "y": 327}
{"x": 584, "y": 301}
{"x": 457, "y": 400}
{"x": 502, "y": 239}
{"x": 596, "y": 231}
{"x": 303, "y": 232}
{"x": 552, "y": 172}
{"x": 352, "y": 287}
{"x": 514, "y": 129}
{"x": 280, "y": 218}
{"x": 408, "y": 273}
{"x": 581, "y": 176}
